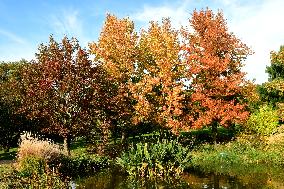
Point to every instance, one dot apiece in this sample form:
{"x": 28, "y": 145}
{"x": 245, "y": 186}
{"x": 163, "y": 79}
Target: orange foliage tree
{"x": 178, "y": 84}
{"x": 158, "y": 91}
{"x": 116, "y": 53}
{"x": 213, "y": 58}
{"x": 174, "y": 78}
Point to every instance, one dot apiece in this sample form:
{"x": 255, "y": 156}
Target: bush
{"x": 82, "y": 165}
{"x": 149, "y": 160}
{"x": 264, "y": 121}
{"x": 32, "y": 172}
{"x": 37, "y": 166}
{"x": 42, "y": 164}
{"x": 35, "y": 155}
{"x": 31, "y": 165}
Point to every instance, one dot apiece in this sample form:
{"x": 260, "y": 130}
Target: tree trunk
{"x": 66, "y": 145}
{"x": 214, "y": 132}
{"x": 123, "y": 136}
{"x": 216, "y": 181}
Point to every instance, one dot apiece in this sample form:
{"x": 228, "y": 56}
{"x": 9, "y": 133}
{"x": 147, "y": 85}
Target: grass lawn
{"x": 78, "y": 147}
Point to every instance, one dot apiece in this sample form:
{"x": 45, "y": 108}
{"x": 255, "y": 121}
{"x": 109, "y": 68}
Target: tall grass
{"x": 33, "y": 147}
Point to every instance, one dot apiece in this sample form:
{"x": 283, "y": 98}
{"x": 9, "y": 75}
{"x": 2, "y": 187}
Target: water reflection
{"x": 113, "y": 179}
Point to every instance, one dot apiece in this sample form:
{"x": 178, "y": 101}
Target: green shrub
{"x": 264, "y": 121}
{"x": 81, "y": 165}
{"x": 149, "y": 160}
{"x": 36, "y": 167}
{"x": 32, "y": 172}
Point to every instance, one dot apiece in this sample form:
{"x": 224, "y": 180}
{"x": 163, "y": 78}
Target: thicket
{"x": 263, "y": 121}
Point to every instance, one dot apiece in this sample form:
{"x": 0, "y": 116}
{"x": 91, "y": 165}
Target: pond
{"x": 113, "y": 179}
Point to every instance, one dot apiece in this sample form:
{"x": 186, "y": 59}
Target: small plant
{"x": 31, "y": 165}
{"x": 36, "y": 167}
{"x": 264, "y": 121}
{"x": 161, "y": 159}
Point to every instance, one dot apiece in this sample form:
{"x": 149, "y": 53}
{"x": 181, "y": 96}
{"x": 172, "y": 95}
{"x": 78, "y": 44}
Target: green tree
{"x": 272, "y": 92}
{"x": 12, "y": 122}
{"x": 276, "y": 69}
{"x": 264, "y": 121}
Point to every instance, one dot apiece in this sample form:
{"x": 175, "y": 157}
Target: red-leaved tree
{"x": 60, "y": 89}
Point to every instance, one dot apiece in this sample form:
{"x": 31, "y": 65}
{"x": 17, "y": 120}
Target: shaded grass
{"x": 78, "y": 147}
{"x": 11, "y": 155}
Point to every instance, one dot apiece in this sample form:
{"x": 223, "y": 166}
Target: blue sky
{"x": 26, "y": 24}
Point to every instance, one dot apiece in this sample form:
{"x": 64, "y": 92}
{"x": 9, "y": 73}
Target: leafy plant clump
{"x": 264, "y": 121}
{"x": 34, "y": 154}
{"x": 149, "y": 160}
{"x": 35, "y": 166}
{"x": 42, "y": 164}
{"x": 32, "y": 172}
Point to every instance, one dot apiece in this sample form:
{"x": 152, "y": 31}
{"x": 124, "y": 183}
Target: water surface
{"x": 114, "y": 179}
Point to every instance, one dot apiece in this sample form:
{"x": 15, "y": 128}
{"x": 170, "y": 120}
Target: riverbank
{"x": 246, "y": 151}
{"x": 248, "y": 160}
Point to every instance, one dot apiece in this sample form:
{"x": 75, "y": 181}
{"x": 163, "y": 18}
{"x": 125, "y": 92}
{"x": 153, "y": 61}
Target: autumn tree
{"x": 250, "y": 95}
{"x": 156, "y": 78}
{"x": 116, "y": 52}
{"x": 159, "y": 89}
{"x": 59, "y": 89}
{"x": 213, "y": 58}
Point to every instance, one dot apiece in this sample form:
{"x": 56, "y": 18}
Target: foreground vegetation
{"x": 43, "y": 164}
